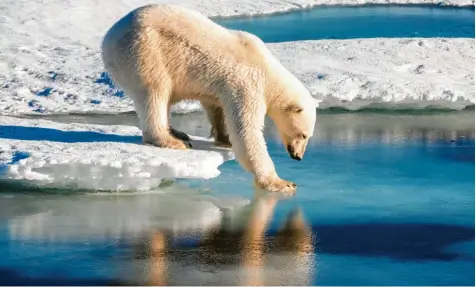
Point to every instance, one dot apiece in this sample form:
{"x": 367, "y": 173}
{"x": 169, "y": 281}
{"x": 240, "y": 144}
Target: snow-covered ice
{"x": 384, "y": 73}
{"x": 48, "y": 154}
{"x": 414, "y": 73}
{"x": 50, "y": 62}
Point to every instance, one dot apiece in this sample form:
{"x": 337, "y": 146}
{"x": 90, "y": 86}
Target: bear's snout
{"x": 294, "y": 155}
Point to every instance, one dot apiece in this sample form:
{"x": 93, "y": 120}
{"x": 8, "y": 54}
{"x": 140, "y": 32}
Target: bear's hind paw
{"x": 225, "y": 144}
{"x": 222, "y": 140}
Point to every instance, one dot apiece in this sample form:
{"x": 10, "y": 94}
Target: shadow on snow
{"x": 54, "y": 135}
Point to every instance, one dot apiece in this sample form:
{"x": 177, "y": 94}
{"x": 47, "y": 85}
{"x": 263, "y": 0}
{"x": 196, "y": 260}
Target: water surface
{"x": 350, "y": 22}
{"x": 381, "y": 200}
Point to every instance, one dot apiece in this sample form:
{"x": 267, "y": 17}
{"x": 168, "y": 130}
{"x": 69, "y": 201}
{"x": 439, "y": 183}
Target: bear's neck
{"x": 279, "y": 93}
{"x": 281, "y": 87}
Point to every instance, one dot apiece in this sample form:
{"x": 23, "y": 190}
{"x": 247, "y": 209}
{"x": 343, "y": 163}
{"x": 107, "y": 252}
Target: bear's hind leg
{"x": 152, "y": 110}
{"x": 217, "y": 121}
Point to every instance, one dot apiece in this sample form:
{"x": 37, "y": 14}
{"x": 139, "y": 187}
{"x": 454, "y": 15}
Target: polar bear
{"x": 162, "y": 54}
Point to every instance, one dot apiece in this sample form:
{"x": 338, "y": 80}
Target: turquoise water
{"x": 336, "y": 22}
{"x": 381, "y": 200}
{"x": 387, "y": 198}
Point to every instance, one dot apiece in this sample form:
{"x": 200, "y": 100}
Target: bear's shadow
{"x": 54, "y": 135}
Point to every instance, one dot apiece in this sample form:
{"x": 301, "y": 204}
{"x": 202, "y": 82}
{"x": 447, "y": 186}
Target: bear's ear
{"x": 293, "y": 109}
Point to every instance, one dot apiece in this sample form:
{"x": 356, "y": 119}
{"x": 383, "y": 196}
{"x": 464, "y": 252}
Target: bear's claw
{"x": 179, "y": 135}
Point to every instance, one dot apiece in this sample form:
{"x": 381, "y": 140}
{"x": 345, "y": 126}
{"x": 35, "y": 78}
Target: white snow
{"x": 354, "y": 74}
{"x": 48, "y": 154}
{"x": 384, "y": 73}
{"x": 50, "y": 63}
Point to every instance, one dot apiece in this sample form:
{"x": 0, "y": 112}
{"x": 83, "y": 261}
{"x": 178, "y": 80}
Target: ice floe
{"x": 81, "y": 156}
{"x": 384, "y": 73}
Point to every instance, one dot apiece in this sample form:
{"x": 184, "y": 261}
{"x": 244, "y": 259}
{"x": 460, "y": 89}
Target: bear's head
{"x": 295, "y": 123}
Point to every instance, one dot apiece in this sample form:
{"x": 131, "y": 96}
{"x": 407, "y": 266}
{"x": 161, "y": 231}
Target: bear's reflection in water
{"x": 236, "y": 252}
{"x": 178, "y": 237}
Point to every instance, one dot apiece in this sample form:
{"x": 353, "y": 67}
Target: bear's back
{"x": 202, "y": 33}
{"x": 183, "y": 24}
{"x": 183, "y": 45}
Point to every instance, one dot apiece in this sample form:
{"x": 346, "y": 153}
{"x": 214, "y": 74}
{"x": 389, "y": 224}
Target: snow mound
{"x": 80, "y": 156}
{"x": 384, "y": 73}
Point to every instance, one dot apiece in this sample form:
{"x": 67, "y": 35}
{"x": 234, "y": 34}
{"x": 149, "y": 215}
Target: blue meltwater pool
{"x": 368, "y": 21}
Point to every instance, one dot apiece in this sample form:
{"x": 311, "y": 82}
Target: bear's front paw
{"x": 277, "y": 184}
{"x": 169, "y": 143}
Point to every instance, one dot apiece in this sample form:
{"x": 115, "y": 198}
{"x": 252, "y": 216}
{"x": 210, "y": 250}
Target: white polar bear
{"x": 162, "y": 54}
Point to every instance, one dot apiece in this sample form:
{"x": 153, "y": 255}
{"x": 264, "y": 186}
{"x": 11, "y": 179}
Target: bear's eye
{"x": 303, "y": 136}
{"x": 294, "y": 109}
